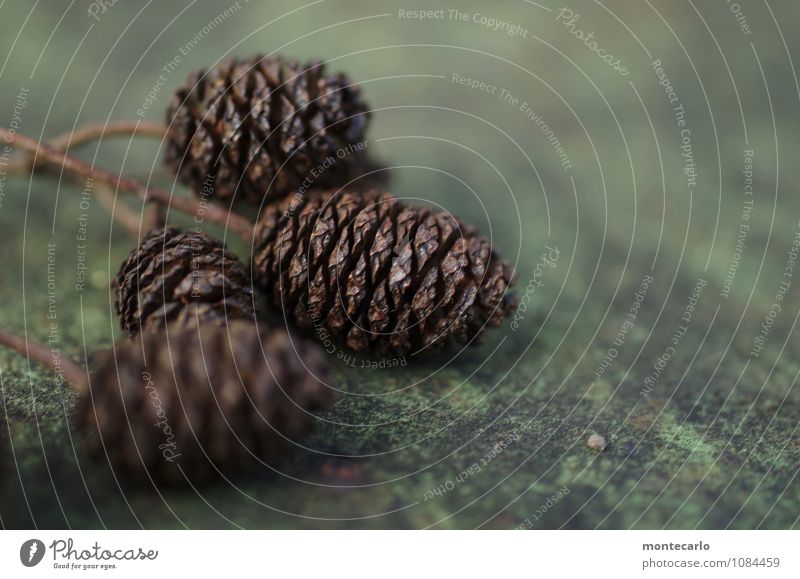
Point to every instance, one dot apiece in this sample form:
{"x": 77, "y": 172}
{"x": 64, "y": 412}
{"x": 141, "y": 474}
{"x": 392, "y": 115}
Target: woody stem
{"x": 206, "y": 212}
{"x": 129, "y": 219}
{"x": 40, "y": 353}
{"x": 91, "y": 132}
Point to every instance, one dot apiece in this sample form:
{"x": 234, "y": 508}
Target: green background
{"x": 714, "y": 444}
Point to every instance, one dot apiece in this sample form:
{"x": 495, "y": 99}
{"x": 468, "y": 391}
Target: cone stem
{"x": 40, "y": 353}
{"x": 205, "y": 212}
{"x": 131, "y": 221}
{"x": 91, "y": 132}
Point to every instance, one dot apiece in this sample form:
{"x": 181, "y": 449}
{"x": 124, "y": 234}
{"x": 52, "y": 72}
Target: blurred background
{"x": 651, "y": 145}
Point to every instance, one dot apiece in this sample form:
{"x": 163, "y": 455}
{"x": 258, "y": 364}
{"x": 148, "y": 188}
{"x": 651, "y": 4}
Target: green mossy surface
{"x": 713, "y": 444}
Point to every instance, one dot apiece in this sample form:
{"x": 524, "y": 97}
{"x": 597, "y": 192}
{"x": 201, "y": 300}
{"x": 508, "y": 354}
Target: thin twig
{"x": 129, "y": 219}
{"x": 91, "y": 132}
{"x": 205, "y": 212}
{"x": 40, "y": 353}
{"x": 156, "y": 217}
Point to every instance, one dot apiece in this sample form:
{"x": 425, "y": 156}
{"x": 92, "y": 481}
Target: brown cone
{"x": 187, "y": 401}
{"x": 172, "y": 270}
{"x": 258, "y": 127}
{"x": 378, "y": 275}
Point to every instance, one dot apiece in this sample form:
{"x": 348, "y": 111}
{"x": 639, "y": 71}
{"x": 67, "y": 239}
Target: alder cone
{"x": 258, "y": 127}
{"x": 378, "y": 275}
{"x": 186, "y": 402}
{"x": 176, "y": 276}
